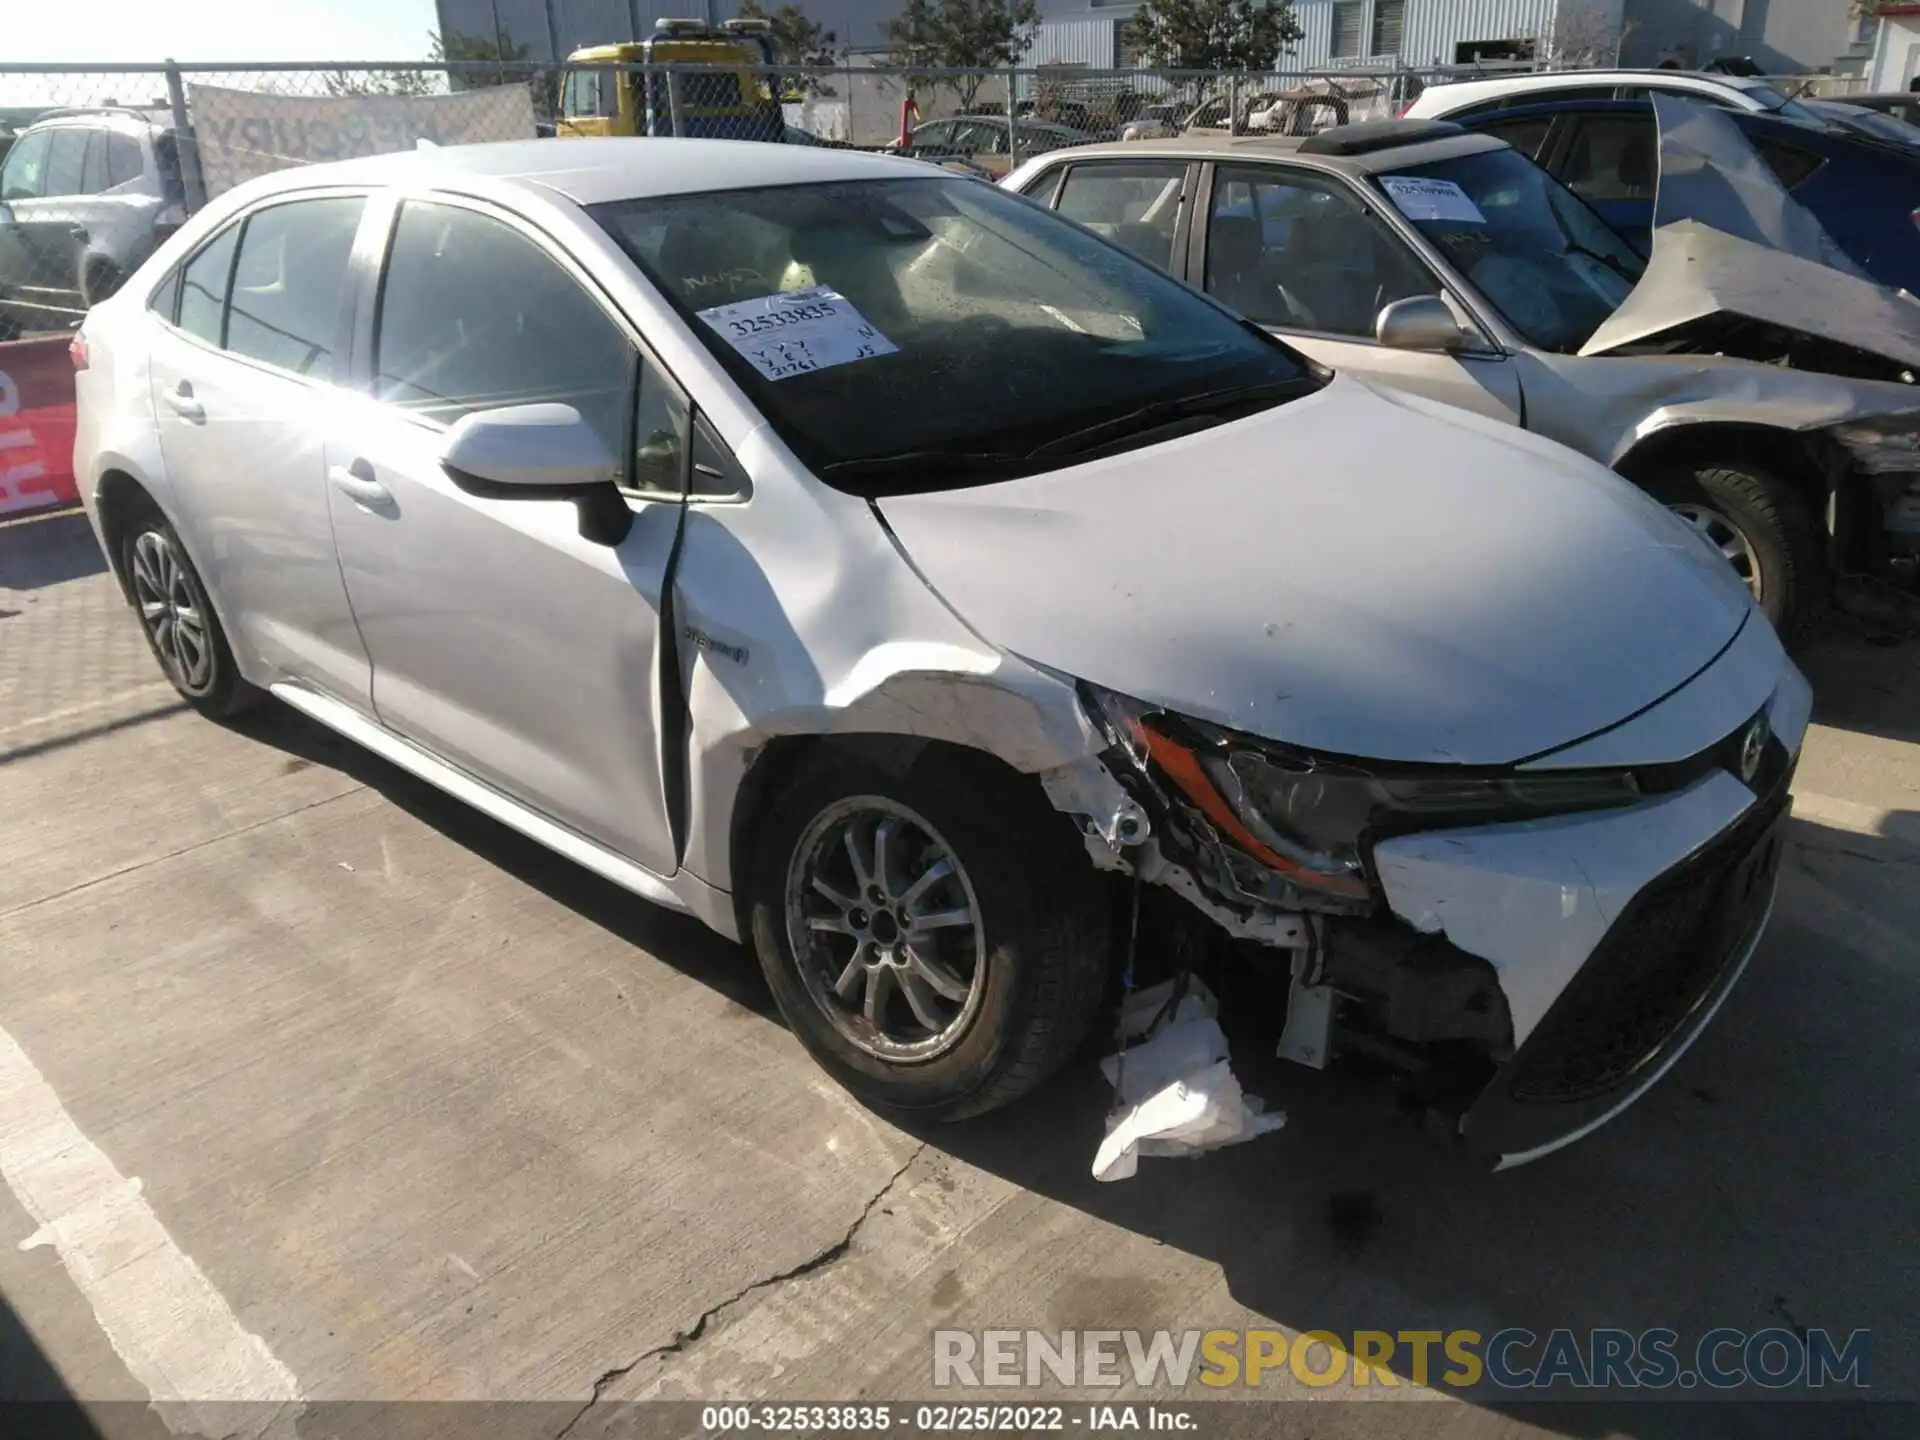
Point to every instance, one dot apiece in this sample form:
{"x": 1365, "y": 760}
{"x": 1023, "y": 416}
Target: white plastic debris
{"x": 1176, "y": 1093}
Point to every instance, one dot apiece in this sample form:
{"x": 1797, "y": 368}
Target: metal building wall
{"x": 1087, "y": 40}
{"x": 1432, "y": 28}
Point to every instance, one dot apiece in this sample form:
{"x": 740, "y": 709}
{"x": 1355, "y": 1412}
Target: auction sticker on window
{"x": 1419, "y": 198}
{"x": 798, "y": 330}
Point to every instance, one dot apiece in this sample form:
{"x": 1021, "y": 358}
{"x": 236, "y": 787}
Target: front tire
{"x": 935, "y": 938}
{"x": 1764, "y": 528}
{"x": 178, "y": 620}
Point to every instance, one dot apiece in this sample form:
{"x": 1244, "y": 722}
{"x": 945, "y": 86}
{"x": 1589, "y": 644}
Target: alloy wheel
{"x": 174, "y": 610}
{"x": 886, "y": 930}
{"x": 1726, "y": 537}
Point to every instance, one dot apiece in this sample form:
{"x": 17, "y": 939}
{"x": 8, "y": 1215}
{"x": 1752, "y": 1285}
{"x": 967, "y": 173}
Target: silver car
{"x": 890, "y": 573}
{"x": 85, "y": 197}
{"x": 1780, "y": 425}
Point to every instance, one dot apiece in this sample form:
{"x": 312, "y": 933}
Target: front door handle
{"x": 180, "y": 398}
{"x": 358, "y": 483}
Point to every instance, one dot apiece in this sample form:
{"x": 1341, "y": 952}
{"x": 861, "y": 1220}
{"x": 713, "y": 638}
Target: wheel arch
{"x": 1806, "y": 461}
{"x": 118, "y": 498}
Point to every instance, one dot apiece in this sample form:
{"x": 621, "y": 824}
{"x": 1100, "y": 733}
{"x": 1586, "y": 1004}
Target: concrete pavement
{"x": 432, "y": 1115}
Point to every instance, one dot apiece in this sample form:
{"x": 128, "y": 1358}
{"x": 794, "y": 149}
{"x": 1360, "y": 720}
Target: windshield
{"x": 1545, "y": 261}
{"x": 922, "y": 317}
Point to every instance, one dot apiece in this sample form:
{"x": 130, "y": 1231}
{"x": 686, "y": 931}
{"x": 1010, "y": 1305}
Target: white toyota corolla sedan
{"x": 879, "y": 566}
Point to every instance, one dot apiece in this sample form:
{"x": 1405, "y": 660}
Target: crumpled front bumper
{"x": 1615, "y": 935}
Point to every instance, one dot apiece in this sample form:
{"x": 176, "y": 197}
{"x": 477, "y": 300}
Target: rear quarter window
{"x": 1791, "y": 166}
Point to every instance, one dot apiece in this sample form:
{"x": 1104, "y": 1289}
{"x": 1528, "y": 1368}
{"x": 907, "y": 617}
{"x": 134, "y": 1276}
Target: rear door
{"x": 502, "y": 640}
{"x": 246, "y": 353}
{"x": 1302, "y": 253}
{"x": 43, "y": 190}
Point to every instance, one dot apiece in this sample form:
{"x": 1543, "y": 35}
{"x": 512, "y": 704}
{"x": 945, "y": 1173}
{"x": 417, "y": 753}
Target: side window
{"x": 93, "y": 170}
{"x": 1048, "y": 186}
{"x": 123, "y": 159}
{"x": 66, "y": 162}
{"x": 474, "y": 315}
{"x": 1526, "y": 135}
{"x": 203, "y": 287}
{"x": 1613, "y": 157}
{"x": 1135, "y": 204}
{"x": 659, "y": 434}
{"x": 166, "y": 299}
{"x": 590, "y": 93}
{"x": 1791, "y": 166}
{"x": 288, "y": 283}
{"x": 939, "y": 134}
{"x": 1291, "y": 251}
{"x": 24, "y": 177}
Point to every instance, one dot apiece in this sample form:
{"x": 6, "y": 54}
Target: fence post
{"x": 673, "y": 100}
{"x": 185, "y": 145}
{"x": 1233, "y": 104}
{"x": 852, "y": 137}
{"x": 1013, "y": 121}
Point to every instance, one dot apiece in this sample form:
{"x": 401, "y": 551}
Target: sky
{"x": 85, "y": 31}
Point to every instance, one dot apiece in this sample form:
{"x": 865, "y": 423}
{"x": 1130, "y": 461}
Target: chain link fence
{"x": 98, "y": 166}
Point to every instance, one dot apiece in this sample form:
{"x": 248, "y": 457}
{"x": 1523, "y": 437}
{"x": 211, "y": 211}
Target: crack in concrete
{"x": 682, "y": 1339}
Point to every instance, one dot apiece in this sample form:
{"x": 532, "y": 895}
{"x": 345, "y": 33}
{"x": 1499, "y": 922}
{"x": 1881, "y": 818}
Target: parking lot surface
{"x": 378, "y": 1100}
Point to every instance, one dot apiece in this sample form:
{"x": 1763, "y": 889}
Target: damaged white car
{"x": 1748, "y": 375}
{"x": 884, "y": 570}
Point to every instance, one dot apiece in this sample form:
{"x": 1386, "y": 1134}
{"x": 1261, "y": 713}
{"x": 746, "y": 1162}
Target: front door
{"x": 501, "y": 640}
{"x": 243, "y": 363}
{"x": 1297, "y": 252}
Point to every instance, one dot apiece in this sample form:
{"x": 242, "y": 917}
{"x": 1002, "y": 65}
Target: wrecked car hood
{"x": 1728, "y": 239}
{"x": 1359, "y": 572}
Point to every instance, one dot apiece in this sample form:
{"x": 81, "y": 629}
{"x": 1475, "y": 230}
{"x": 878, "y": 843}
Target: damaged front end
{"x": 1740, "y": 270}
{"x": 1525, "y": 950}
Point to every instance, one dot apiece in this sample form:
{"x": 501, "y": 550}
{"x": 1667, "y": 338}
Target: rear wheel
{"x": 934, "y": 938}
{"x": 178, "y": 620}
{"x": 1765, "y": 529}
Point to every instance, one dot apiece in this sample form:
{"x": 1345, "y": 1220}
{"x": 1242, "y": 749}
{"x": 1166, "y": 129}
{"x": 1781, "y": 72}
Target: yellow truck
{"x": 685, "y": 79}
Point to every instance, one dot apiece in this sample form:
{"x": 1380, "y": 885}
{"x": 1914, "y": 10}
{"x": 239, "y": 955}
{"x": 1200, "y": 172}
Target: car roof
{"x": 116, "y": 117}
{"x": 593, "y": 171}
{"x": 1463, "y": 92}
{"x": 1284, "y": 147}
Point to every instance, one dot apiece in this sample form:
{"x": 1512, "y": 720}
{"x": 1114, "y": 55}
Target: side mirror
{"x": 1421, "y": 322}
{"x": 539, "y": 452}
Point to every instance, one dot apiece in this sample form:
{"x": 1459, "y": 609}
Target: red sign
{"x": 36, "y": 425}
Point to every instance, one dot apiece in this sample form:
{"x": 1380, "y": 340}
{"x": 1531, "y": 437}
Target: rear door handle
{"x": 358, "y": 483}
{"x": 183, "y": 403}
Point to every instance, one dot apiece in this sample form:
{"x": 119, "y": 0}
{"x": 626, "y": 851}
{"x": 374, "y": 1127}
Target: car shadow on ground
{"x": 34, "y": 1398}
{"x": 1767, "y": 1182}
{"x": 48, "y": 550}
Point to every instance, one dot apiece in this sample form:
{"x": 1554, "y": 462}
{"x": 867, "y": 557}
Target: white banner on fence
{"x": 245, "y": 133}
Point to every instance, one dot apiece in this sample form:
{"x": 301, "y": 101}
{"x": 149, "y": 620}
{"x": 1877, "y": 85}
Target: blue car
{"x": 1865, "y": 193}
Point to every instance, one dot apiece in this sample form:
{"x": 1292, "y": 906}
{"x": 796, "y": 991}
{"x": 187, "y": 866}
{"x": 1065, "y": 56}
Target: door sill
{"x": 558, "y": 838}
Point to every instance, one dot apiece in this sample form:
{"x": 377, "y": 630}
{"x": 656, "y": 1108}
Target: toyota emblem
{"x": 1752, "y": 746}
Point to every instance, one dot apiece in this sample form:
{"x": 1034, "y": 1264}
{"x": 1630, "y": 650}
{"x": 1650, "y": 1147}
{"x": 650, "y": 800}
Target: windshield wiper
{"x": 1165, "y": 412}
{"x": 1574, "y": 247}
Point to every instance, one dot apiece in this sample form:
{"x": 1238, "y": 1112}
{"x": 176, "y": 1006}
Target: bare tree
{"x": 1584, "y": 36}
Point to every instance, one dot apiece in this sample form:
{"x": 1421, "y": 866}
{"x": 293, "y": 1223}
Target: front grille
{"x": 1660, "y": 960}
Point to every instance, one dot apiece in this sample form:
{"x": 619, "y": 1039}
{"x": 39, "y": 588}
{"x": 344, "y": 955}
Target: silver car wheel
{"x": 1726, "y": 537}
{"x": 174, "y": 611}
{"x": 885, "y": 929}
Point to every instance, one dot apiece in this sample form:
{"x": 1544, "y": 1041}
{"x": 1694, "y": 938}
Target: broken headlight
{"x": 1310, "y": 817}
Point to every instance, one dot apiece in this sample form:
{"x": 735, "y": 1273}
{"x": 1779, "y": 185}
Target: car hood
{"x": 1357, "y": 572}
